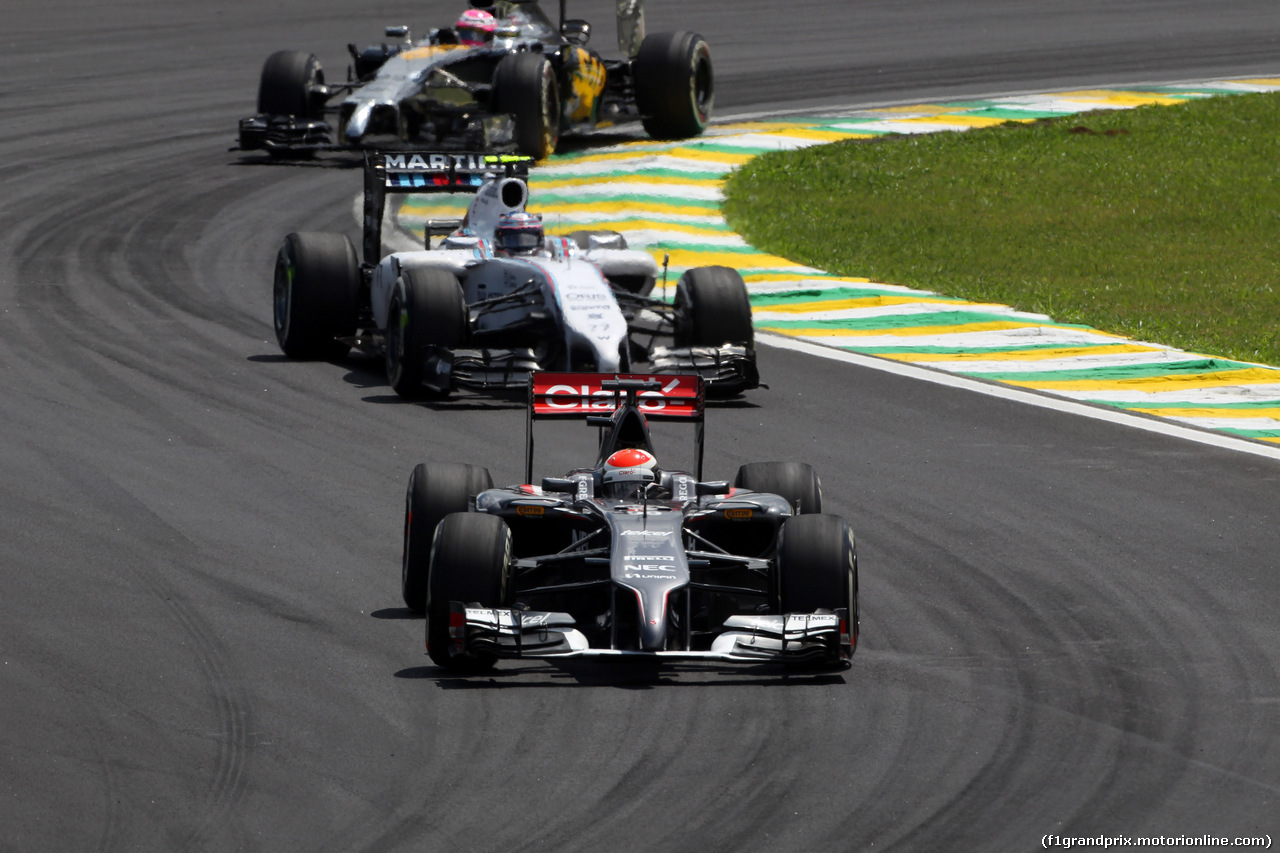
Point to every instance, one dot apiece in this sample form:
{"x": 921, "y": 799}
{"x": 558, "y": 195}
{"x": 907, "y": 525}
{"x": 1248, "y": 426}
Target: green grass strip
{"x": 1156, "y": 222}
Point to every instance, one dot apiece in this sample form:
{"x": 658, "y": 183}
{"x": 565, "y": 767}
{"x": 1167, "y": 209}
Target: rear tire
{"x": 798, "y": 482}
{"x": 316, "y": 295}
{"x": 288, "y": 83}
{"x": 675, "y": 87}
{"x": 436, "y": 489}
{"x": 525, "y": 86}
{"x": 818, "y": 569}
{"x": 469, "y": 563}
{"x": 428, "y": 309}
{"x": 712, "y": 308}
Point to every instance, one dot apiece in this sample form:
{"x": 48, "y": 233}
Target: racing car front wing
{"x": 728, "y": 369}
{"x": 796, "y": 638}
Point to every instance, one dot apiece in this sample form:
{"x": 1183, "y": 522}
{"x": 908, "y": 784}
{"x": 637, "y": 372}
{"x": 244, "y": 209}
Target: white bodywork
{"x": 571, "y": 280}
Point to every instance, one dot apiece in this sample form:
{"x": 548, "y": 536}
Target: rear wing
{"x": 615, "y": 401}
{"x": 426, "y": 172}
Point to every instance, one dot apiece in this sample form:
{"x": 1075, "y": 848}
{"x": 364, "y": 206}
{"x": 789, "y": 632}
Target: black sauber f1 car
{"x": 469, "y": 313}
{"x": 522, "y": 86}
{"x": 625, "y": 559}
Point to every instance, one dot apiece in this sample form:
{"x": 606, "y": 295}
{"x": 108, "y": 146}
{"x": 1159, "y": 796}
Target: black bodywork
{"x": 685, "y": 569}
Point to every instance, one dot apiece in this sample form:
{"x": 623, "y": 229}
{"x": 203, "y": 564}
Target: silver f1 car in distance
{"x": 469, "y": 313}
{"x": 521, "y": 88}
{"x": 624, "y": 559}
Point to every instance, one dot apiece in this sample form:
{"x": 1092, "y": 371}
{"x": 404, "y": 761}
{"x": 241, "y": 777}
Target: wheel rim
{"x": 703, "y": 87}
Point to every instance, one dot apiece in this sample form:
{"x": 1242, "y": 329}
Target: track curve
{"x": 1068, "y": 626}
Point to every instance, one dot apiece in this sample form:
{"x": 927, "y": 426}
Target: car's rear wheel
{"x": 469, "y": 563}
{"x": 315, "y": 295}
{"x": 428, "y": 309}
{"x": 288, "y": 85}
{"x": 525, "y": 87}
{"x": 798, "y": 482}
{"x": 675, "y": 87}
{"x": 712, "y": 308}
{"x": 436, "y": 489}
{"x": 817, "y": 569}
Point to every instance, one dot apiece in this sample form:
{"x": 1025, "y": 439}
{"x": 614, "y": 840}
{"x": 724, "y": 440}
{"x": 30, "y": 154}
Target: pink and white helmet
{"x": 475, "y": 26}
{"x": 627, "y": 471}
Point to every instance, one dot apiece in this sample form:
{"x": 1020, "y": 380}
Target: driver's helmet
{"x": 627, "y": 471}
{"x": 475, "y": 26}
{"x": 518, "y": 233}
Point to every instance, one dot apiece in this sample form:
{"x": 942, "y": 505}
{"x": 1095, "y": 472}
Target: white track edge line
{"x": 1100, "y": 413}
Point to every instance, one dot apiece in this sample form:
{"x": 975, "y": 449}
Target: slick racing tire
{"x": 436, "y": 489}
{"x": 818, "y": 568}
{"x": 288, "y": 85}
{"x": 675, "y": 88}
{"x": 525, "y": 87}
{"x": 427, "y": 310}
{"x": 469, "y": 563}
{"x": 795, "y": 481}
{"x": 712, "y": 308}
{"x": 315, "y": 295}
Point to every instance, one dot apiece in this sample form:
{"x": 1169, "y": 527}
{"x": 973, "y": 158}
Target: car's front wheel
{"x": 712, "y": 308}
{"x": 817, "y": 569}
{"x": 470, "y": 561}
{"x": 289, "y": 83}
{"x": 427, "y": 310}
{"x": 315, "y": 295}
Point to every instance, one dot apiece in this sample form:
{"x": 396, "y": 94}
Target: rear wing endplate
{"x": 426, "y": 172}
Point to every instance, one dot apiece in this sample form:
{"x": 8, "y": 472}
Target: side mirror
{"x": 559, "y": 484}
{"x": 401, "y": 31}
{"x": 713, "y": 487}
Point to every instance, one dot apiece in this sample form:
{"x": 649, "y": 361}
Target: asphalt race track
{"x": 1069, "y": 627}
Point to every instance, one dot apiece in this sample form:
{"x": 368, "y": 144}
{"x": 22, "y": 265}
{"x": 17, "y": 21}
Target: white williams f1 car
{"x": 626, "y": 559}
{"x": 497, "y": 299}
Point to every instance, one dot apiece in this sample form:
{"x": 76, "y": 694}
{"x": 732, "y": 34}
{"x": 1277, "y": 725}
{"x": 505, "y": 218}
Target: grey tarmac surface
{"x": 1068, "y": 627}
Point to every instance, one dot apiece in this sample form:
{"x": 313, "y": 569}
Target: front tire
{"x": 469, "y": 563}
{"x": 712, "y": 308}
{"x": 675, "y": 87}
{"x": 436, "y": 489}
{"x": 798, "y": 482}
{"x": 525, "y": 86}
{"x": 288, "y": 85}
{"x": 427, "y": 310}
{"x": 315, "y": 295}
{"x": 817, "y": 569}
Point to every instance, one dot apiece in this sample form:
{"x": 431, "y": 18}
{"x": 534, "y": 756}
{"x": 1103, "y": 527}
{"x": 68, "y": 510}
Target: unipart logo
{"x": 646, "y": 533}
